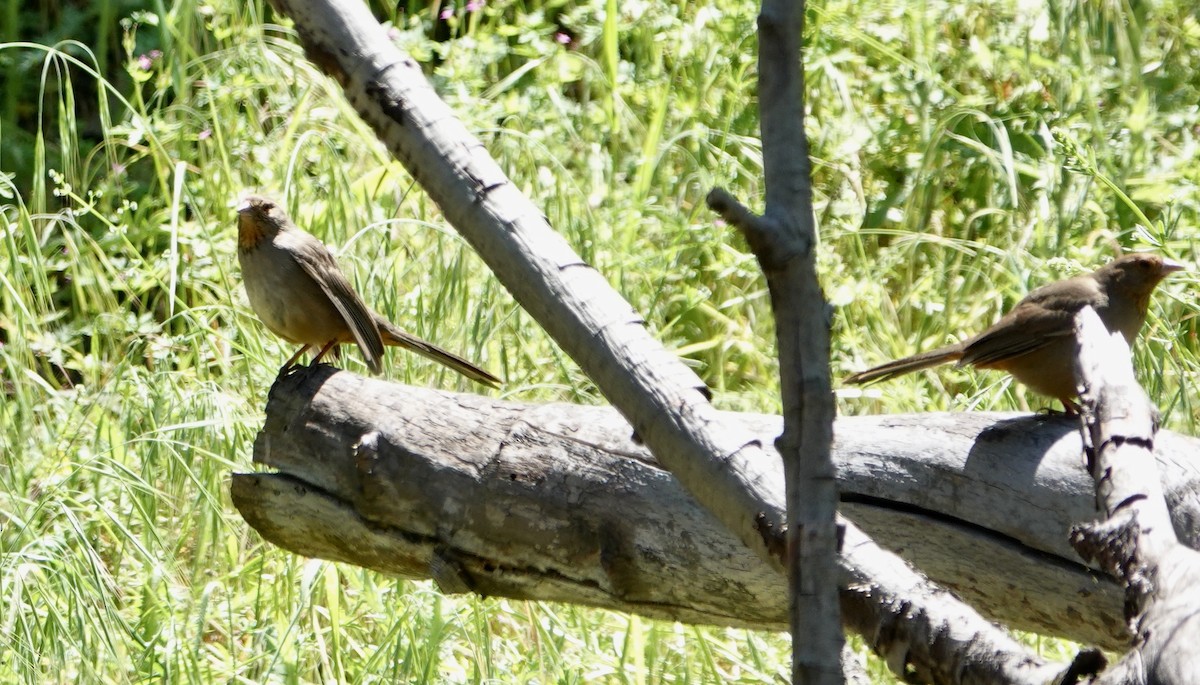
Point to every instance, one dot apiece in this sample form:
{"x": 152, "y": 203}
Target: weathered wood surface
{"x": 557, "y": 502}
{"x": 1135, "y": 542}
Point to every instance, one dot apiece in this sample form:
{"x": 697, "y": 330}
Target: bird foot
{"x": 289, "y": 369}
{"x": 1052, "y": 413}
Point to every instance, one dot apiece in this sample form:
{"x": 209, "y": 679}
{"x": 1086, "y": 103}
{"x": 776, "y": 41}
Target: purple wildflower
{"x": 146, "y": 60}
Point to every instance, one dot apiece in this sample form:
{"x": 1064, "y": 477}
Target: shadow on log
{"x": 556, "y": 502}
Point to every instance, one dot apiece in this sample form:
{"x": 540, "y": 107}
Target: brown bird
{"x": 1035, "y": 342}
{"x": 296, "y": 288}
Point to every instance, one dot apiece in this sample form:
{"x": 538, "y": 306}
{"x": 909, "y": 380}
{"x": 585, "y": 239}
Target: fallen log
{"x": 558, "y": 502}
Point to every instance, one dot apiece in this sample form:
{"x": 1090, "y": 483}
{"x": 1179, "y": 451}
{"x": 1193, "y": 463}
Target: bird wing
{"x": 1002, "y": 341}
{"x": 320, "y": 265}
{"x": 1044, "y": 316}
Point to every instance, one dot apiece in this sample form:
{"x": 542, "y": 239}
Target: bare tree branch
{"x": 783, "y": 240}
{"x": 1137, "y": 543}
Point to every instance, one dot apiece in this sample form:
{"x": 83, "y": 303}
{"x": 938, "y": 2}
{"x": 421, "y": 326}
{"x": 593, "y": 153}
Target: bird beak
{"x": 1171, "y": 266}
{"x": 244, "y": 206}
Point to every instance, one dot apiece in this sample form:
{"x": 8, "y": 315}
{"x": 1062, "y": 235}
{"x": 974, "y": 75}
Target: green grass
{"x": 963, "y": 154}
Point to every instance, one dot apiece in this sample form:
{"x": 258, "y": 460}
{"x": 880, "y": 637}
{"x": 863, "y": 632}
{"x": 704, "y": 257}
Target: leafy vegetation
{"x": 964, "y": 153}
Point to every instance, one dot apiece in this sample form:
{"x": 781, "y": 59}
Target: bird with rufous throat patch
{"x": 298, "y": 291}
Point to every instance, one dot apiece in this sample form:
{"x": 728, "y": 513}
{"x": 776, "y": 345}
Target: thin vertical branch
{"x": 783, "y": 240}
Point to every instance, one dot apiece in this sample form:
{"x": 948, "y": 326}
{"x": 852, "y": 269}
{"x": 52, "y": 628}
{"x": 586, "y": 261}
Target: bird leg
{"x": 1070, "y": 408}
{"x": 328, "y": 346}
{"x": 287, "y": 366}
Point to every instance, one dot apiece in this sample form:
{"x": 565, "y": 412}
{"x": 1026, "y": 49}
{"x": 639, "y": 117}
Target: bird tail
{"x": 922, "y": 360}
{"x": 396, "y": 337}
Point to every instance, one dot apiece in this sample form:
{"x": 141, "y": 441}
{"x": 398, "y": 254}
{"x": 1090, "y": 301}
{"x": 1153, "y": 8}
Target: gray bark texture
{"x": 558, "y": 502}
{"x": 1137, "y": 542}
{"x": 784, "y": 239}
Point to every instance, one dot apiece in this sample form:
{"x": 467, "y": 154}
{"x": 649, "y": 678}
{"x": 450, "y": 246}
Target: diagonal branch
{"x": 722, "y": 465}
